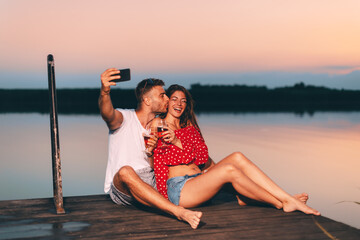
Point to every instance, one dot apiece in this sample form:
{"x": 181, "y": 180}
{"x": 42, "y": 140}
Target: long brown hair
{"x": 188, "y": 117}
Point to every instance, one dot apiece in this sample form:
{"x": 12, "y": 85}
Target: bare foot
{"x": 294, "y": 204}
{"x": 191, "y": 217}
{"x": 240, "y": 202}
{"x": 303, "y": 197}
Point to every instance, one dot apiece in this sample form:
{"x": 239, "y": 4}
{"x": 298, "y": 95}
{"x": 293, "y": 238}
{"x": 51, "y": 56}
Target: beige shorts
{"x": 146, "y": 174}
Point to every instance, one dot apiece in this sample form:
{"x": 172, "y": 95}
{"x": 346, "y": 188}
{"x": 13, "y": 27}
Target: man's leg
{"x": 127, "y": 181}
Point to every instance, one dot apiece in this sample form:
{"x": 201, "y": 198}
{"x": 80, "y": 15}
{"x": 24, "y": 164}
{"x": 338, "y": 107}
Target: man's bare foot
{"x": 294, "y": 204}
{"x": 191, "y": 217}
{"x": 303, "y": 197}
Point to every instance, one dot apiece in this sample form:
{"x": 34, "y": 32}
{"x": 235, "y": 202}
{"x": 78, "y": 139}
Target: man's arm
{"x": 112, "y": 117}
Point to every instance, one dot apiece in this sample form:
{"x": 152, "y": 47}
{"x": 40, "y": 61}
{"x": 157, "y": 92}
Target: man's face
{"x": 159, "y": 101}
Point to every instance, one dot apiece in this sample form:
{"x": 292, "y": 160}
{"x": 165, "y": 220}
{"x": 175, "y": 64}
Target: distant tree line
{"x": 298, "y": 98}
{"x": 208, "y": 98}
{"x": 68, "y": 100}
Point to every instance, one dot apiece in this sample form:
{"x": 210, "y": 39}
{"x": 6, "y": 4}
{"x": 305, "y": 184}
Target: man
{"x": 129, "y": 177}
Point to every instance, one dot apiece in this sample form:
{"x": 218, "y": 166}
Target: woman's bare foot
{"x": 240, "y": 202}
{"x": 294, "y": 204}
{"x": 303, "y": 197}
{"x": 191, "y": 217}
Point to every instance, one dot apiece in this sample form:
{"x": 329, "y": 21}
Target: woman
{"x": 180, "y": 179}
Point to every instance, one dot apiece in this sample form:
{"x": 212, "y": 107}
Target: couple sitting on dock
{"x": 185, "y": 174}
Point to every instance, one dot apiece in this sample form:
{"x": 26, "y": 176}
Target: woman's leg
{"x": 290, "y": 203}
{"x": 200, "y": 189}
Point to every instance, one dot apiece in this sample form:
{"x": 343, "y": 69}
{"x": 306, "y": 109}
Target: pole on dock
{"x": 55, "y": 146}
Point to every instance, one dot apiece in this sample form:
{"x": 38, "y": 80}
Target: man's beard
{"x": 164, "y": 109}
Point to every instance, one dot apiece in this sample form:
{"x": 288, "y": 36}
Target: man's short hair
{"x": 145, "y": 86}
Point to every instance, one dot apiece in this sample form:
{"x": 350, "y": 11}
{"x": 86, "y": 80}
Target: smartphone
{"x": 124, "y": 75}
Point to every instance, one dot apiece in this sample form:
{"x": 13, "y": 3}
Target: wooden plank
{"x": 96, "y": 217}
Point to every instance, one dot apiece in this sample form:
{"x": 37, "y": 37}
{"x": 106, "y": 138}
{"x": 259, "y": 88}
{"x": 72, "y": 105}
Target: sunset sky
{"x": 260, "y": 42}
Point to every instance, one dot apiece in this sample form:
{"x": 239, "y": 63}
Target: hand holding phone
{"x": 124, "y": 75}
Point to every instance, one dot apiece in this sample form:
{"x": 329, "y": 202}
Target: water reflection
{"x": 21, "y": 229}
{"x": 316, "y": 153}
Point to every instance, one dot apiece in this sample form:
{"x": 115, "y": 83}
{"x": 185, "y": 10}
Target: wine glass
{"x": 161, "y": 128}
{"x": 147, "y": 135}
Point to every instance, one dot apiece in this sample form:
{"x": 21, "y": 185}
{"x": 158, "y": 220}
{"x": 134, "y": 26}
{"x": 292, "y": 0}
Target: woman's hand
{"x": 209, "y": 164}
{"x": 170, "y": 137}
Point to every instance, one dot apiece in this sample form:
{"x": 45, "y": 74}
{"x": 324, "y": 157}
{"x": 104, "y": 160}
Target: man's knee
{"x": 126, "y": 173}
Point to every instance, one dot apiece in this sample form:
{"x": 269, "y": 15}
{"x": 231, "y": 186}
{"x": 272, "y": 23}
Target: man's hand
{"x": 112, "y": 118}
{"x": 106, "y": 78}
{"x": 152, "y": 142}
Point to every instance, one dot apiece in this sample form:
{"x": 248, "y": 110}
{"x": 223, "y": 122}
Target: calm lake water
{"x": 317, "y": 154}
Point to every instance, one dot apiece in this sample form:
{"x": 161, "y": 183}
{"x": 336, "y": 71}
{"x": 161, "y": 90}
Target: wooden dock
{"x": 96, "y": 217}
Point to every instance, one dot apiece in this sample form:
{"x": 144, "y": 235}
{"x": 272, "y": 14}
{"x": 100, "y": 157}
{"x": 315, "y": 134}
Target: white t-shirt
{"x": 126, "y": 147}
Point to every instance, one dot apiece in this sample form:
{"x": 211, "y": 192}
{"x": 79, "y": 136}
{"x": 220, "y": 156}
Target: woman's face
{"x": 177, "y": 104}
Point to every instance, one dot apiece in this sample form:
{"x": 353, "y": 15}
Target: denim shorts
{"x": 146, "y": 174}
{"x": 175, "y": 185}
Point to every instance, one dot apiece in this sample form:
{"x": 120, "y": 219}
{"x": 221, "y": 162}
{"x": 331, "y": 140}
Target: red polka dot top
{"x": 194, "y": 151}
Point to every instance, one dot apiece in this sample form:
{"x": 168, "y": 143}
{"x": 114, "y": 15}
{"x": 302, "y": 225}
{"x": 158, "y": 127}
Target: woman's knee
{"x": 240, "y": 160}
{"x": 230, "y": 171}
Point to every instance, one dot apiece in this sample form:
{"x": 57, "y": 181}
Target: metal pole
{"x": 55, "y": 146}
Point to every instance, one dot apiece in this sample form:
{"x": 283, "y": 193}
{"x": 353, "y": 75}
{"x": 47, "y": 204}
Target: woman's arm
{"x": 194, "y": 149}
{"x": 209, "y": 164}
{"x": 178, "y": 151}
{"x": 201, "y": 150}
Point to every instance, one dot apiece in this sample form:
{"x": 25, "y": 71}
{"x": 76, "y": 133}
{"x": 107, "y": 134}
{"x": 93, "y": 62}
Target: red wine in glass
{"x": 162, "y": 127}
{"x": 160, "y": 130}
{"x": 146, "y": 139}
{"x": 147, "y": 136}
